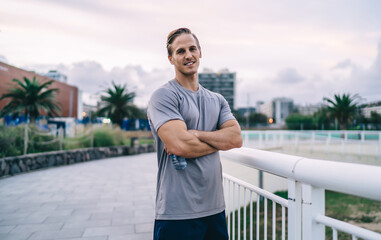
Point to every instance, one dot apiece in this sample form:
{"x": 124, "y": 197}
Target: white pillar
{"x": 313, "y": 204}
{"x": 294, "y": 210}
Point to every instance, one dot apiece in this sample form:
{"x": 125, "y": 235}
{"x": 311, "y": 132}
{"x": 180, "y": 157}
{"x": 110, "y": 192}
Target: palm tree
{"x": 118, "y": 104}
{"x": 343, "y": 108}
{"x": 29, "y": 98}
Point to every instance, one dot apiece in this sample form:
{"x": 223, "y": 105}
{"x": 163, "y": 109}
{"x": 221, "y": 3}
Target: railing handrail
{"x": 356, "y": 179}
{"x": 319, "y": 131}
{"x": 346, "y": 227}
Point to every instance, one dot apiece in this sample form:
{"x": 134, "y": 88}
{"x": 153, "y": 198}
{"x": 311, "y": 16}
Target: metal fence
{"x": 57, "y": 135}
{"x": 307, "y": 181}
{"x": 343, "y": 142}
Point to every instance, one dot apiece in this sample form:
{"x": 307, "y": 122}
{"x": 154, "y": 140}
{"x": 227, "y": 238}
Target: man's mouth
{"x": 189, "y": 63}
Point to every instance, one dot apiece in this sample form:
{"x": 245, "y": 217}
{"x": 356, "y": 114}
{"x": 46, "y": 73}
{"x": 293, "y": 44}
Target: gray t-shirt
{"x": 197, "y": 190}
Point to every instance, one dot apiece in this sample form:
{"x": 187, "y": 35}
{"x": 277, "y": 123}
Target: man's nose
{"x": 188, "y": 54}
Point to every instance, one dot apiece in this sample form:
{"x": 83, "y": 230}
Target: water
{"x": 179, "y": 163}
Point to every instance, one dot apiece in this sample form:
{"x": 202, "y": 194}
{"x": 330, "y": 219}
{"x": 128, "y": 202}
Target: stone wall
{"x": 30, "y": 162}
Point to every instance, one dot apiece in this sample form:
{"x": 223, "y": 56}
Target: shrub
{"x": 299, "y": 122}
{"x": 11, "y": 141}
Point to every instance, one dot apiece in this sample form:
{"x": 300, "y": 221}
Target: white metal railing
{"x": 307, "y": 181}
{"x": 234, "y": 188}
{"x": 344, "y": 142}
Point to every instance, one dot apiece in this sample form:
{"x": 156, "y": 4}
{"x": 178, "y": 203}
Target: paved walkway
{"x": 110, "y": 199}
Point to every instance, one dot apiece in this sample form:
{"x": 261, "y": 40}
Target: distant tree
{"x": 343, "y": 108}
{"x": 239, "y": 117}
{"x": 257, "y": 118}
{"x": 29, "y": 98}
{"x": 375, "y": 119}
{"x": 299, "y": 122}
{"x": 322, "y": 118}
{"x": 251, "y": 120}
{"x": 118, "y": 104}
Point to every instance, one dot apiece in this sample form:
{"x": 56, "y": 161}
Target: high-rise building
{"x": 368, "y": 108}
{"x": 308, "y": 109}
{"x": 222, "y": 82}
{"x": 278, "y": 109}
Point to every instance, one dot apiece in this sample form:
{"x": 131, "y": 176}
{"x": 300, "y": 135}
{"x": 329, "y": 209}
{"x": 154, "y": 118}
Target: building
{"x": 367, "y": 109}
{"x": 308, "y": 109}
{"x": 246, "y": 111}
{"x": 278, "y": 109}
{"x": 222, "y": 82}
{"x": 54, "y": 74}
{"x": 68, "y": 96}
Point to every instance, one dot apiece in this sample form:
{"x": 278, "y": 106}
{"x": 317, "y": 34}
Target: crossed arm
{"x": 180, "y": 141}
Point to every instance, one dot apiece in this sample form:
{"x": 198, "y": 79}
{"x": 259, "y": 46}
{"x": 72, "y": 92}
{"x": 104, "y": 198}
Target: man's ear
{"x": 200, "y": 54}
{"x": 170, "y": 59}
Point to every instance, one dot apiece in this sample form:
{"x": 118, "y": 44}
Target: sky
{"x": 300, "y": 49}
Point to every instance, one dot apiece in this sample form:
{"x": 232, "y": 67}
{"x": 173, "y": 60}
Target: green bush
{"x": 37, "y": 140}
{"x": 103, "y": 137}
{"x": 11, "y": 141}
{"x": 299, "y": 122}
{"x": 106, "y": 136}
{"x": 77, "y": 142}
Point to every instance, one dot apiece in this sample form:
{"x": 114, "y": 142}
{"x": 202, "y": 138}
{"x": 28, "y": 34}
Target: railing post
{"x": 266, "y": 138}
{"x": 294, "y": 210}
{"x": 312, "y": 142}
{"x": 379, "y": 145}
{"x": 60, "y": 135}
{"x": 362, "y": 139}
{"x": 92, "y": 137}
{"x": 260, "y": 139}
{"x": 26, "y": 139}
{"x": 328, "y": 141}
{"x": 313, "y": 204}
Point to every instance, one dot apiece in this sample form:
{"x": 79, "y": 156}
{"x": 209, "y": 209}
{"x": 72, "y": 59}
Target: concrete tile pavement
{"x": 109, "y": 199}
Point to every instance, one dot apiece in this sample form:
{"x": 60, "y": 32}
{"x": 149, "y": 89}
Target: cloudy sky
{"x": 302, "y": 49}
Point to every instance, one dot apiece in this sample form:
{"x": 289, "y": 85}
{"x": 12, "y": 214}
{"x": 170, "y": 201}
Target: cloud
{"x": 343, "y": 65}
{"x": 91, "y": 78}
{"x": 3, "y": 59}
{"x": 288, "y": 76}
{"x": 361, "y": 80}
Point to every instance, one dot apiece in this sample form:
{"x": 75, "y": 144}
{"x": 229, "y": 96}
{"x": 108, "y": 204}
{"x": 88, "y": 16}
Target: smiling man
{"x": 190, "y": 121}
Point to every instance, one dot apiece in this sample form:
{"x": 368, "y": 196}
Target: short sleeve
{"x": 162, "y": 107}
{"x": 225, "y": 112}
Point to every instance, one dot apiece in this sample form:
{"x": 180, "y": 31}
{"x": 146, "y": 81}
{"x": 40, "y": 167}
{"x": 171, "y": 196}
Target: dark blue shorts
{"x": 206, "y": 228}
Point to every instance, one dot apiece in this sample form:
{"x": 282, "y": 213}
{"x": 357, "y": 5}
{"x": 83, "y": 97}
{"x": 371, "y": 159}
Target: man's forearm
{"x": 223, "y": 139}
{"x": 192, "y": 147}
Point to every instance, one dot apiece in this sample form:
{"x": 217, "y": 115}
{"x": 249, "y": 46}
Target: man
{"x": 190, "y": 121}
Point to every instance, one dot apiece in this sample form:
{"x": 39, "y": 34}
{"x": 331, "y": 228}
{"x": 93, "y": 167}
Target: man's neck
{"x": 188, "y": 81}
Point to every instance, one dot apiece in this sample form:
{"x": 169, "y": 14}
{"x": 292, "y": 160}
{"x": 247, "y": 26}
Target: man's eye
{"x": 180, "y": 51}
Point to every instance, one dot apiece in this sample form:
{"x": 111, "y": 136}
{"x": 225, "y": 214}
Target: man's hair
{"x": 174, "y": 34}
